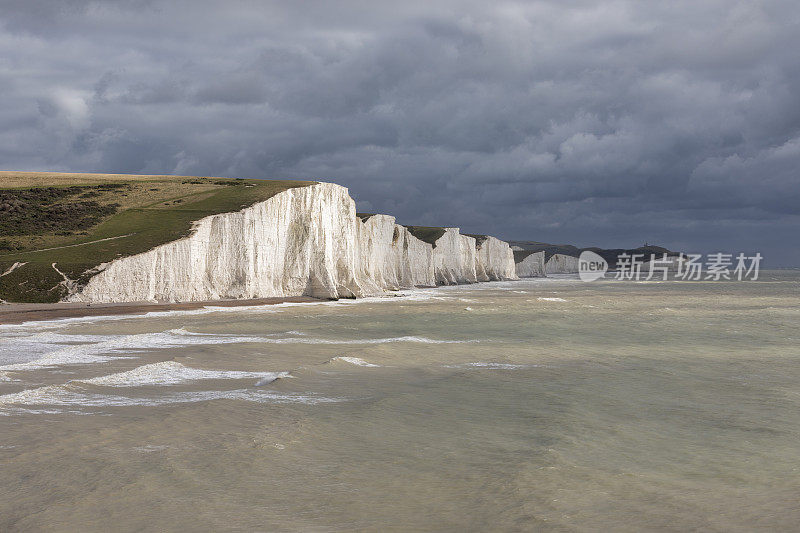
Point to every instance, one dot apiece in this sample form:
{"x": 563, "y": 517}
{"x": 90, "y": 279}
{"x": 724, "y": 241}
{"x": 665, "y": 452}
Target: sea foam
{"x": 88, "y": 349}
{"x": 174, "y": 373}
{"x": 352, "y": 360}
{"x": 71, "y": 395}
{"x": 493, "y": 366}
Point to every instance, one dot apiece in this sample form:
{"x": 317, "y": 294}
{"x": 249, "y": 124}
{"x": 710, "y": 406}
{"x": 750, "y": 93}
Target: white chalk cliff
{"x": 391, "y": 257}
{"x": 561, "y": 264}
{"x": 302, "y": 241}
{"x": 532, "y": 266}
{"x": 495, "y": 260}
{"x": 454, "y": 258}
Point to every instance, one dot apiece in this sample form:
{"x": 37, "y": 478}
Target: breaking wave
{"x": 54, "y": 349}
{"x": 352, "y": 360}
{"x": 70, "y": 395}
{"x": 174, "y": 373}
{"x": 493, "y": 366}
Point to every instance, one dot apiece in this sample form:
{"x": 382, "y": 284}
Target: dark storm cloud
{"x": 604, "y": 123}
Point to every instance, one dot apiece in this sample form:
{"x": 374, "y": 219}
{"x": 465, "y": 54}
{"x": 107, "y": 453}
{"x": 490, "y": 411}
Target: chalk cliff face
{"x": 303, "y": 241}
{"x": 532, "y": 266}
{"x": 300, "y": 241}
{"x": 454, "y": 258}
{"x": 561, "y": 264}
{"x": 391, "y": 257}
{"x": 495, "y": 260}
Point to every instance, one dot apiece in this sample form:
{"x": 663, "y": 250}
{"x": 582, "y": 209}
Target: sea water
{"x": 544, "y": 404}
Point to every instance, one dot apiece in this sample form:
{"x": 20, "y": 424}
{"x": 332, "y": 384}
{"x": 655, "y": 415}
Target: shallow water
{"x": 550, "y": 405}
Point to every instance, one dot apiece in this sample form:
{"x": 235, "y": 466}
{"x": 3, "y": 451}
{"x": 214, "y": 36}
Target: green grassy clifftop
{"x": 79, "y": 221}
{"x": 429, "y": 234}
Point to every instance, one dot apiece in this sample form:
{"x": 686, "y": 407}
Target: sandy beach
{"x": 17, "y": 313}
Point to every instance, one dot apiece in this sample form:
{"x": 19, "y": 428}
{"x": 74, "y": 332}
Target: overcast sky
{"x": 602, "y": 123}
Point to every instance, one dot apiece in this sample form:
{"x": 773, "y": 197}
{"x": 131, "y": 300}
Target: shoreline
{"x": 18, "y": 313}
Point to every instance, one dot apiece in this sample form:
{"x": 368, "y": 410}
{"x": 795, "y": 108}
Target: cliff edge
{"x": 302, "y": 241}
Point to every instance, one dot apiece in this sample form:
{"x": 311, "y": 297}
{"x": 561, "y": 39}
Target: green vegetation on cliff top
{"x": 429, "y": 234}
{"x": 79, "y": 221}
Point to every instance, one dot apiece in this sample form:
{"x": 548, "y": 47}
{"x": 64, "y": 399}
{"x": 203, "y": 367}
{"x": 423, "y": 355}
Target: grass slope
{"x": 520, "y": 255}
{"x": 79, "y": 221}
{"x": 478, "y": 238}
{"x": 429, "y": 234}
